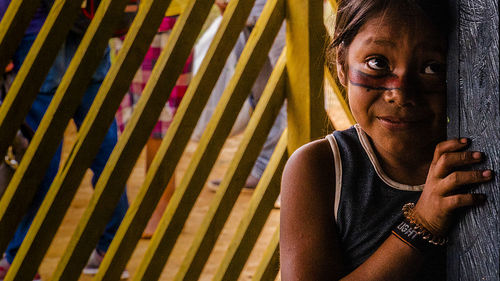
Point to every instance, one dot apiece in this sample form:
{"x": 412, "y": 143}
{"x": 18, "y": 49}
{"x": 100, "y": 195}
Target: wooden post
{"x": 305, "y": 41}
{"x": 473, "y": 110}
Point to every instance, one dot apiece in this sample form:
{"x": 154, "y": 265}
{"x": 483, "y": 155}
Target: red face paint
{"x": 384, "y": 82}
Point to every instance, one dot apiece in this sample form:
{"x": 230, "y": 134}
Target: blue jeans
{"x": 34, "y": 117}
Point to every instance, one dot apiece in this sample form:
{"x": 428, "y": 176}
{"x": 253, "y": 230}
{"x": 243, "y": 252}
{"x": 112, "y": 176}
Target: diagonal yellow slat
{"x": 175, "y": 141}
{"x": 110, "y": 186}
{"x": 256, "y": 215}
{"x": 50, "y": 132}
{"x": 269, "y": 266}
{"x": 31, "y": 76}
{"x": 247, "y": 69}
{"x": 338, "y": 93}
{"x": 305, "y": 59}
{"x": 123, "y": 71}
{"x": 18, "y": 102}
{"x": 51, "y": 129}
{"x": 146, "y": 114}
{"x": 253, "y": 139}
{"x": 14, "y": 22}
{"x": 334, "y": 4}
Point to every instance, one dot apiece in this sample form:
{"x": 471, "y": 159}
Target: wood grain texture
{"x": 473, "y": 108}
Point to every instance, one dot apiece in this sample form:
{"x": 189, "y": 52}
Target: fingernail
{"x": 463, "y": 140}
{"x": 487, "y": 173}
{"x": 476, "y": 155}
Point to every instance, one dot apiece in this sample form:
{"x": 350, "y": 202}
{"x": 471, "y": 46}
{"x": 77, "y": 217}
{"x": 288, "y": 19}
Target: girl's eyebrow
{"x": 381, "y": 42}
{"x": 431, "y": 47}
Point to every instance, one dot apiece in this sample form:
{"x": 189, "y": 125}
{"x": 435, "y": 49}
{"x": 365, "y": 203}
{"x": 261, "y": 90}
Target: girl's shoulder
{"x": 315, "y": 151}
{"x": 311, "y": 169}
{"x": 314, "y": 157}
{"x": 310, "y": 172}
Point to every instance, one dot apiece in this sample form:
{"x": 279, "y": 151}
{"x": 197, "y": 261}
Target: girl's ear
{"x": 340, "y": 67}
{"x": 341, "y": 74}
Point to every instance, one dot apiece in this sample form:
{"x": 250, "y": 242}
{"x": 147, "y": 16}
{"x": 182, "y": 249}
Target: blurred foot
{"x": 250, "y": 184}
{"x": 4, "y": 267}
{"x": 95, "y": 261}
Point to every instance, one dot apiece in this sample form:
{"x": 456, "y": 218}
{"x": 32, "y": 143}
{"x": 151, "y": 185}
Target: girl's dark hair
{"x": 352, "y": 14}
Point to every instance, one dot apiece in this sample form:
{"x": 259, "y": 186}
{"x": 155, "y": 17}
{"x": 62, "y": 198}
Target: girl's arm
{"x": 309, "y": 240}
{"x": 309, "y": 247}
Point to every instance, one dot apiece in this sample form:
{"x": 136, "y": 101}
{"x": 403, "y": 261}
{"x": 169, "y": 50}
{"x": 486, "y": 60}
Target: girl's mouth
{"x": 397, "y": 123}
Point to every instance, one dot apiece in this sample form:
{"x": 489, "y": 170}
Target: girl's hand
{"x": 440, "y": 196}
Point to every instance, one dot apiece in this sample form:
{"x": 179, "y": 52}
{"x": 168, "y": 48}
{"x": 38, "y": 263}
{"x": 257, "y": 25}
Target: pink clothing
{"x": 142, "y": 76}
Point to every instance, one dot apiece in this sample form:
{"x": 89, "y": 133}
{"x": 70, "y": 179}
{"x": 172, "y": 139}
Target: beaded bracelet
{"x": 414, "y": 234}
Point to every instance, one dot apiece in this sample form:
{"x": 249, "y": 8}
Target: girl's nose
{"x": 404, "y": 93}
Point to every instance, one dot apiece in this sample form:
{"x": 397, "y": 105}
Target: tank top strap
{"x": 338, "y": 171}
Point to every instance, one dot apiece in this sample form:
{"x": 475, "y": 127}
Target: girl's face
{"x": 395, "y": 77}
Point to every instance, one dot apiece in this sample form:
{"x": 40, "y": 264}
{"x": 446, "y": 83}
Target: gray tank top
{"x": 367, "y": 202}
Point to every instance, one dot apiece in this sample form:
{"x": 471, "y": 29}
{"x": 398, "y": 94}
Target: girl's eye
{"x": 378, "y": 63}
{"x": 434, "y": 68}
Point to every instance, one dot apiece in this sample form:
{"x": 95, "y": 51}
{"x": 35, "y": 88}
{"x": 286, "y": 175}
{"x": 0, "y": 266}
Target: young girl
{"x": 344, "y": 198}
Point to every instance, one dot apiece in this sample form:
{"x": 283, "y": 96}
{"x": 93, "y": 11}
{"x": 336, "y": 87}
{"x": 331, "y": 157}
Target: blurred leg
{"x": 151, "y": 149}
{"x": 102, "y": 156}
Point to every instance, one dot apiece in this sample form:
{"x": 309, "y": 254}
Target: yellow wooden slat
{"x": 253, "y": 139}
{"x": 334, "y": 4}
{"x": 256, "y": 215}
{"x": 47, "y": 138}
{"x": 14, "y": 22}
{"x": 34, "y": 69}
{"x": 51, "y": 129}
{"x": 269, "y": 265}
{"x": 175, "y": 140}
{"x": 110, "y": 186}
{"x": 252, "y": 59}
{"x": 305, "y": 58}
{"x": 18, "y": 102}
{"x": 119, "y": 73}
{"x": 340, "y": 97}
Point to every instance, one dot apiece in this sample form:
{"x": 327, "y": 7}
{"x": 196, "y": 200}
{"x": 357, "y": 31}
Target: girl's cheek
{"x": 434, "y": 85}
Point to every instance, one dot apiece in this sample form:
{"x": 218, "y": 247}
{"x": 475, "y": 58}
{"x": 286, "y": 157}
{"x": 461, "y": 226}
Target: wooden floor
{"x": 134, "y": 183}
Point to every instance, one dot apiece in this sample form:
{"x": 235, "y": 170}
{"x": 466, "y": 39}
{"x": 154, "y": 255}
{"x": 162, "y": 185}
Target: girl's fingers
{"x": 451, "y": 160}
{"x": 460, "y": 178}
{"x": 463, "y": 200}
{"x": 448, "y": 146}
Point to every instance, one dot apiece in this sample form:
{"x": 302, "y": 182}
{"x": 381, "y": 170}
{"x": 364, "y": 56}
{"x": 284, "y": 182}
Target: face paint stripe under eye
{"x": 373, "y": 88}
{"x": 385, "y": 82}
